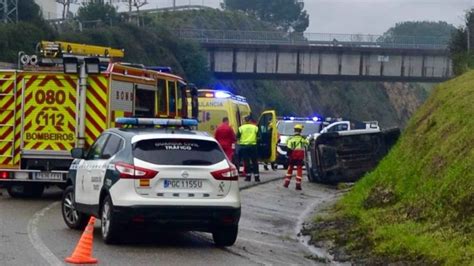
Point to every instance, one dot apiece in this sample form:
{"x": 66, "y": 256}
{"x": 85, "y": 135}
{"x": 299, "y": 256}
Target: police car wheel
{"x": 72, "y": 217}
{"x": 108, "y": 224}
{"x": 225, "y": 236}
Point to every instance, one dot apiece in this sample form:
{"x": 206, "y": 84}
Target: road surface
{"x": 33, "y": 232}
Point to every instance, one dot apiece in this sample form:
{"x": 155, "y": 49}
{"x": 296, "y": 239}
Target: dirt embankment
{"x": 391, "y": 104}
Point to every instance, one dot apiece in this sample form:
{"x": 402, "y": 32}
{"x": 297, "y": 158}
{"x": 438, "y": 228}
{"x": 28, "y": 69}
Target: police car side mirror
{"x": 77, "y": 153}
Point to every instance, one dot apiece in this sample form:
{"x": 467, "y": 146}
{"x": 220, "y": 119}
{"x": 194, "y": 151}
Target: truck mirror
{"x": 77, "y": 153}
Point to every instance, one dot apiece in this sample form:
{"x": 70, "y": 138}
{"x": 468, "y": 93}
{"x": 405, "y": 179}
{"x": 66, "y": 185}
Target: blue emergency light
{"x": 222, "y": 94}
{"x": 303, "y": 119}
{"x": 164, "y": 122}
{"x": 164, "y": 69}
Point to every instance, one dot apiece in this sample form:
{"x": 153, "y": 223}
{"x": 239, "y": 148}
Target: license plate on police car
{"x": 183, "y": 184}
{"x": 47, "y": 176}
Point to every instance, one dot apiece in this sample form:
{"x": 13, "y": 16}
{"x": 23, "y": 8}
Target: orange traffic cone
{"x": 83, "y": 252}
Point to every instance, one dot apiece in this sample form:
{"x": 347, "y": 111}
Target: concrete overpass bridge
{"x": 277, "y": 55}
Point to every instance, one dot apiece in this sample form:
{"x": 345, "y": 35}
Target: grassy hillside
{"x": 418, "y": 205}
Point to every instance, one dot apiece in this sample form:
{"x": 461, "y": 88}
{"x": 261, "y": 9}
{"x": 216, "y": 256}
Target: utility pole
{"x": 9, "y": 11}
{"x": 129, "y": 10}
{"x": 66, "y": 6}
{"x": 138, "y": 4}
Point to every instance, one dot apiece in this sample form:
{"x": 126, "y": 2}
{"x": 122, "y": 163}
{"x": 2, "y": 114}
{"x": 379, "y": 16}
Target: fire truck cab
{"x": 64, "y": 98}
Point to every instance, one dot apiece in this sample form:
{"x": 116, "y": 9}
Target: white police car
{"x": 165, "y": 178}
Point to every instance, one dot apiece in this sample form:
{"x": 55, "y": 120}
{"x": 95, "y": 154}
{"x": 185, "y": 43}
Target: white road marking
{"x": 35, "y": 239}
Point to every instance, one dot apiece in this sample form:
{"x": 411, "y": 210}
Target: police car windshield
{"x": 287, "y": 127}
{"x": 178, "y": 152}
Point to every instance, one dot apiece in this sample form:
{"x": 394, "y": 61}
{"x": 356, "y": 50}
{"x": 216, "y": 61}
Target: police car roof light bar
{"x": 294, "y": 118}
{"x": 164, "y": 122}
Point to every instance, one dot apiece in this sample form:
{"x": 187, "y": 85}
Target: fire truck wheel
{"x": 26, "y": 191}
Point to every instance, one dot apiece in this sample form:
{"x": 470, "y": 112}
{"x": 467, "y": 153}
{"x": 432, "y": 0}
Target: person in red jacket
{"x": 225, "y": 135}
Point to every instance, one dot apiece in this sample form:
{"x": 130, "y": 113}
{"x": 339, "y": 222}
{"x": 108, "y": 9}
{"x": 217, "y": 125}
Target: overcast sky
{"x": 363, "y": 16}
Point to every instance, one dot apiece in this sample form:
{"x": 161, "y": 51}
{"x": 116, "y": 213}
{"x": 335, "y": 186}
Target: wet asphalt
{"x": 268, "y": 231}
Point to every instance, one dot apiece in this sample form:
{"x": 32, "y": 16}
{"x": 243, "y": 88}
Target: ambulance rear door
{"x": 211, "y": 113}
{"x": 267, "y": 136}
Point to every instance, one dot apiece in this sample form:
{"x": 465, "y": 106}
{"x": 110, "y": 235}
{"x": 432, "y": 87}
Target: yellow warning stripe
{"x": 18, "y": 110}
{"x": 96, "y": 107}
{"x": 7, "y": 119}
{"x": 58, "y": 132}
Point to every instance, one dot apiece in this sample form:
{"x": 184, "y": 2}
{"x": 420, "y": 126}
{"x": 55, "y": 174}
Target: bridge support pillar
{"x": 402, "y": 69}
{"x": 277, "y": 60}
{"x": 298, "y": 63}
{"x": 234, "y": 60}
{"x": 423, "y": 66}
{"x": 212, "y": 60}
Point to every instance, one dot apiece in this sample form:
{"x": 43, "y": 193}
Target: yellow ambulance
{"x": 214, "y": 105}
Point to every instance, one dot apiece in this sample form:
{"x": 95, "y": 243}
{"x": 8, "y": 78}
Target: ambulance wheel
{"x": 72, "y": 217}
{"x": 26, "y": 191}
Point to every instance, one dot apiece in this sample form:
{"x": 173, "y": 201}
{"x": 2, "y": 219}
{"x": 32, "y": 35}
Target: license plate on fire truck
{"x": 47, "y": 176}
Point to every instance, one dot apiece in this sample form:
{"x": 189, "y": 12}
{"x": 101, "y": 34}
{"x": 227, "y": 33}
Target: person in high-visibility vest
{"x": 247, "y": 136}
{"x": 296, "y": 145}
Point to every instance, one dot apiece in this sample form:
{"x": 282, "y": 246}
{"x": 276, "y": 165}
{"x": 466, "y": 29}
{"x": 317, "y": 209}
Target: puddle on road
{"x": 304, "y": 239}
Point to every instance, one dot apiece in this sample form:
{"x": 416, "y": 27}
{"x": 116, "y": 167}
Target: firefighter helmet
{"x": 298, "y": 127}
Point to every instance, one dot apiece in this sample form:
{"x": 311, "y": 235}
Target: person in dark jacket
{"x": 225, "y": 135}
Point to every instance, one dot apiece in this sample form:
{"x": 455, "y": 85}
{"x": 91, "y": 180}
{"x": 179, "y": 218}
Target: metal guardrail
{"x": 312, "y": 39}
{"x": 171, "y": 8}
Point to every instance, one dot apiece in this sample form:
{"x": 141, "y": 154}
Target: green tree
{"x": 462, "y": 55}
{"x": 286, "y": 14}
{"x": 193, "y": 61}
{"x": 29, "y": 11}
{"x": 24, "y": 35}
{"x": 423, "y": 31}
{"x": 93, "y": 11}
